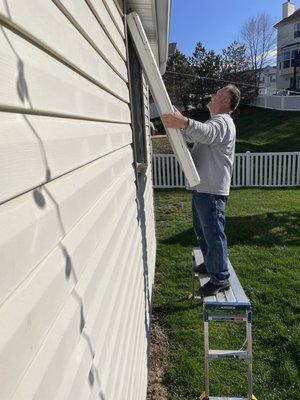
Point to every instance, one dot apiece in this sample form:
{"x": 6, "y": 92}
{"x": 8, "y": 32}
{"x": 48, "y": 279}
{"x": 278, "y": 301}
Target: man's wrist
{"x": 185, "y": 123}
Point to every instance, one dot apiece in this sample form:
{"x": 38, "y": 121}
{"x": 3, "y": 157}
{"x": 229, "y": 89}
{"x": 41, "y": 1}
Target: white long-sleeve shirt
{"x": 213, "y": 152}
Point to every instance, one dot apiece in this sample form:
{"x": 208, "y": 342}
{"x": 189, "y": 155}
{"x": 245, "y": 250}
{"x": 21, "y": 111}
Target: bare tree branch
{"x": 259, "y": 37}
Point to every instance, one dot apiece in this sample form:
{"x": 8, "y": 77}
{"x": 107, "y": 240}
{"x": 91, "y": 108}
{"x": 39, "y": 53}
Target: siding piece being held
{"x": 161, "y": 96}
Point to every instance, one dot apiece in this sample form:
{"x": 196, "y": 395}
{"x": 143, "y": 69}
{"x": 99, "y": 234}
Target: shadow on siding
{"x": 142, "y": 184}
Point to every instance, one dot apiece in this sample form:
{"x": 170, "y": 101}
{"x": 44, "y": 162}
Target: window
{"x": 262, "y": 79}
{"x": 279, "y": 63}
{"x": 137, "y": 108}
{"x": 289, "y": 59}
{"x": 297, "y": 30}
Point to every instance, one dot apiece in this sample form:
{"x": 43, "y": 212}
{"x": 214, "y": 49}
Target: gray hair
{"x": 234, "y": 96}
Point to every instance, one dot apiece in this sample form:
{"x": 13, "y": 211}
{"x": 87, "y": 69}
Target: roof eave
{"x": 155, "y": 17}
{"x": 289, "y": 19}
{"x": 163, "y": 12}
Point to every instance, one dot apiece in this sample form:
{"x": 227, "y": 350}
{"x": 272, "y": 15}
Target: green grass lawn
{"x": 263, "y": 233}
{"x": 258, "y": 130}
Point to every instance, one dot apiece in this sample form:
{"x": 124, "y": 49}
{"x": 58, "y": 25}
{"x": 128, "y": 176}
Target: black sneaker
{"x": 211, "y": 289}
{"x": 200, "y": 269}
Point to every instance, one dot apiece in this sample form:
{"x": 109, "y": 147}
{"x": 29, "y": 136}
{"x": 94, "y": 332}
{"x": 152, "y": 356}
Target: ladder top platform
{"x": 227, "y": 398}
{"x": 234, "y": 298}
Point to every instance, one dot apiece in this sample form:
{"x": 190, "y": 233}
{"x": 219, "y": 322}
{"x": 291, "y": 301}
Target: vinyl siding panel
{"x": 77, "y": 254}
{"x": 44, "y": 84}
{"x": 100, "y": 10}
{"x": 63, "y": 39}
{"x": 34, "y": 149}
{"x": 93, "y": 33}
{"x": 76, "y": 264}
{"x": 115, "y": 14}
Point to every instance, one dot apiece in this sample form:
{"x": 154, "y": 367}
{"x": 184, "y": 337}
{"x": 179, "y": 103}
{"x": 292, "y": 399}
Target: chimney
{"x": 288, "y": 9}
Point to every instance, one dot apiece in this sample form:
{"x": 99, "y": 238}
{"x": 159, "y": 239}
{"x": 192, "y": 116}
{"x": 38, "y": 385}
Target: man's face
{"x": 220, "y": 100}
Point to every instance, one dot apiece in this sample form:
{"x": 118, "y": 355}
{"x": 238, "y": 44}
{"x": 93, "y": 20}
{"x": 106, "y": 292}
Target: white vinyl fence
{"x": 287, "y": 103}
{"x": 250, "y": 169}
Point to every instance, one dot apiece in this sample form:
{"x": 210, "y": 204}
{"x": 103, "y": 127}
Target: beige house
{"x": 77, "y": 241}
{"x": 267, "y": 82}
{"x": 288, "y": 42}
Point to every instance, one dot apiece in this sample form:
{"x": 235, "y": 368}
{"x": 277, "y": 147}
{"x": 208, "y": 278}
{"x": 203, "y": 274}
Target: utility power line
{"x": 210, "y": 79}
{"x": 222, "y": 80}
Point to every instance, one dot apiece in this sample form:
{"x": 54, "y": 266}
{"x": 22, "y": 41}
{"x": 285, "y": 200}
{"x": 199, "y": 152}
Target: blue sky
{"x": 216, "y": 23}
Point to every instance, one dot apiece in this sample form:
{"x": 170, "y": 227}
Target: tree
{"x": 259, "y": 36}
{"x": 177, "y": 79}
{"x": 235, "y": 69}
{"x": 234, "y": 61}
{"x": 207, "y": 68}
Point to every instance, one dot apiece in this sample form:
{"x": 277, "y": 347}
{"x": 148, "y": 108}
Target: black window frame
{"x": 297, "y": 30}
{"x": 287, "y": 59}
{"x": 290, "y": 60}
{"x": 137, "y": 107}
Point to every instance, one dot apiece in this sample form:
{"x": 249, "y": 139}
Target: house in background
{"x": 288, "y": 42}
{"x": 77, "y": 241}
{"x": 267, "y": 82}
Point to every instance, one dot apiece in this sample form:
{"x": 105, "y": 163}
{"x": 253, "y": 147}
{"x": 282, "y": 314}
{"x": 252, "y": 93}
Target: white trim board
{"x": 161, "y": 97}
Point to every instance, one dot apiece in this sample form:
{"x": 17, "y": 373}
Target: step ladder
{"x": 228, "y": 306}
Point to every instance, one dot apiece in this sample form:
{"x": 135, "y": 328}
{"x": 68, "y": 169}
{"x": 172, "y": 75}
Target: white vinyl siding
{"x": 77, "y": 243}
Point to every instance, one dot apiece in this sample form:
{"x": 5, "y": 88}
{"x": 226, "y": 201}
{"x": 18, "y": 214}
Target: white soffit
{"x": 155, "y": 17}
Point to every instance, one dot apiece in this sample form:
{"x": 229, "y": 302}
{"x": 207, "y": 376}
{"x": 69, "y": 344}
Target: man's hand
{"x": 175, "y": 120}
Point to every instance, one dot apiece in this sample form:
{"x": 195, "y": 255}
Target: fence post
{"x": 282, "y": 102}
{"x": 248, "y": 168}
{"x": 298, "y": 171}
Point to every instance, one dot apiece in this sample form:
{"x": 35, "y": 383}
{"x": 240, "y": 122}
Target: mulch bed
{"x": 159, "y": 352}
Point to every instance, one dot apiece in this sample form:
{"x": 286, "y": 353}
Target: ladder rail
{"x": 234, "y": 308}
{"x": 206, "y": 362}
{"x": 249, "y": 350}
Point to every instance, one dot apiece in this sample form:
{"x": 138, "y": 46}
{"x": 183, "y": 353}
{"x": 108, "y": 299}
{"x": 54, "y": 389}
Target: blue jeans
{"x": 209, "y": 225}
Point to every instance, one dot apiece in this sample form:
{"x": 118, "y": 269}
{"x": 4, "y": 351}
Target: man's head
{"x": 225, "y": 100}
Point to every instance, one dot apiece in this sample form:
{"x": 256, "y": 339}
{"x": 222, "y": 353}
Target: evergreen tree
{"x": 236, "y": 69}
{"x": 177, "y": 79}
{"x": 205, "y": 64}
{"x": 234, "y": 61}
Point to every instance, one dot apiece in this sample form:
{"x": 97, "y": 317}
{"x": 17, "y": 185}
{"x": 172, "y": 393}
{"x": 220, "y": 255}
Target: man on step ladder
{"x": 213, "y": 155}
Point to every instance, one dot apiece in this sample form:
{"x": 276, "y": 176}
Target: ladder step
{"x": 238, "y": 354}
{"x": 227, "y": 318}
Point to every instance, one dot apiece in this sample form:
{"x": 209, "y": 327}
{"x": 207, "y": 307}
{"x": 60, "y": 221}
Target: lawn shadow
{"x": 267, "y": 229}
